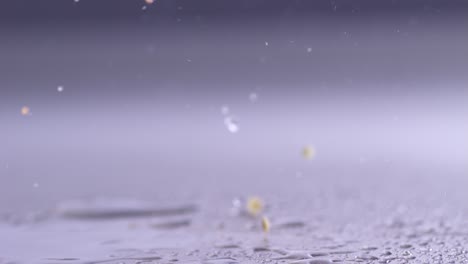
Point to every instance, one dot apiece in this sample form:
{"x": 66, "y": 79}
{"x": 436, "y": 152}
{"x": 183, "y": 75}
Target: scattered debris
{"x": 265, "y": 224}
{"x": 308, "y": 152}
{"x": 254, "y": 206}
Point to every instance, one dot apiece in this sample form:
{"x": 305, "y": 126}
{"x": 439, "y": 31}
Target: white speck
{"x": 231, "y": 124}
{"x": 224, "y": 110}
{"x": 309, "y": 50}
{"x": 60, "y": 88}
{"x": 189, "y": 60}
{"x": 35, "y": 185}
{"x": 143, "y": 7}
{"x": 236, "y": 207}
{"x": 76, "y": 1}
{"x": 253, "y": 97}
{"x": 266, "y": 43}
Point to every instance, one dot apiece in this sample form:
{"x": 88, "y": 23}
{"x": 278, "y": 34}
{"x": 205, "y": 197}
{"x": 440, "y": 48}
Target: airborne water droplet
{"x": 253, "y": 97}
{"x": 231, "y": 124}
{"x": 224, "y": 110}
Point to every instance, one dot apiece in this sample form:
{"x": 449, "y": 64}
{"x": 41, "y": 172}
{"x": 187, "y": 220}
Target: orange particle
{"x": 25, "y": 111}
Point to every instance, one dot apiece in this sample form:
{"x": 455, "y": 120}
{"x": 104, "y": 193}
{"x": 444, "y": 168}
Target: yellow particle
{"x": 149, "y": 2}
{"x": 308, "y": 152}
{"x": 265, "y": 224}
{"x": 254, "y": 206}
{"x": 25, "y": 111}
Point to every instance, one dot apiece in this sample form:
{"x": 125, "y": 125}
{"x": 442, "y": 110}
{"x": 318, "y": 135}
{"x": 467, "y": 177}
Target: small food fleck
{"x": 25, "y": 111}
{"x": 265, "y": 224}
{"x": 254, "y": 206}
{"x": 308, "y": 152}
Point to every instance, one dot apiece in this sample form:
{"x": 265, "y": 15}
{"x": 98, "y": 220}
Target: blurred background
{"x": 181, "y": 99}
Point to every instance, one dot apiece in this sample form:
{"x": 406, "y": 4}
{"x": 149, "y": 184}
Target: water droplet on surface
{"x": 231, "y": 124}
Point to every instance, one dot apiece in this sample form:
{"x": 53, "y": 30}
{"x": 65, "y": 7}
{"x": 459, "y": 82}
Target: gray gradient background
{"x": 382, "y": 97}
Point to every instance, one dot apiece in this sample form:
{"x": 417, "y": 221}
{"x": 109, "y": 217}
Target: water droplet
{"x": 266, "y": 43}
{"x": 253, "y": 97}
{"x": 60, "y": 88}
{"x": 224, "y": 110}
{"x": 236, "y": 208}
{"x": 231, "y": 124}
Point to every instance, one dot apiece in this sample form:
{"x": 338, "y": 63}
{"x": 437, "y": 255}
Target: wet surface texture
{"x": 326, "y": 230}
